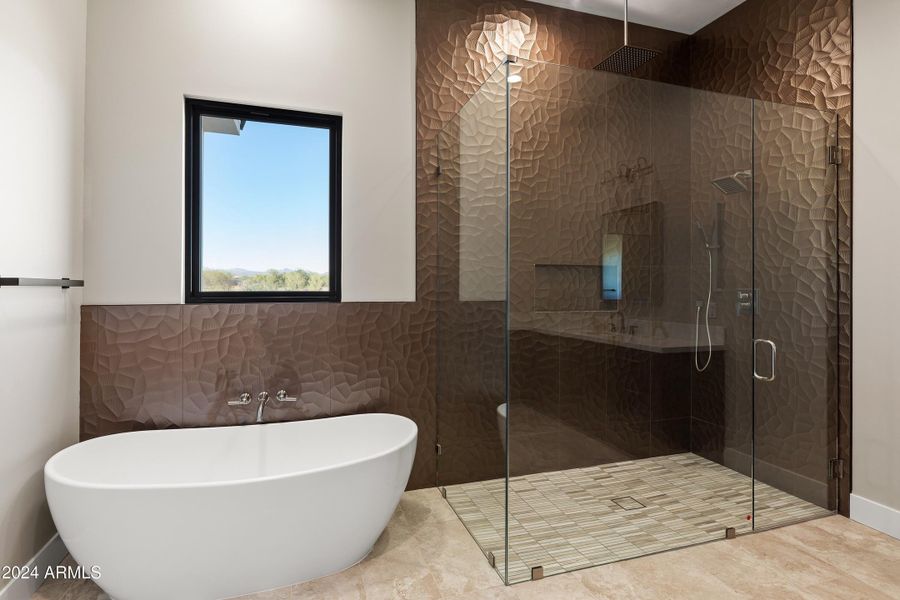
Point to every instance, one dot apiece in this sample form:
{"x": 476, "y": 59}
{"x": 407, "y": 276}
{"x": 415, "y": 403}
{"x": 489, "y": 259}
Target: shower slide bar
{"x": 64, "y": 282}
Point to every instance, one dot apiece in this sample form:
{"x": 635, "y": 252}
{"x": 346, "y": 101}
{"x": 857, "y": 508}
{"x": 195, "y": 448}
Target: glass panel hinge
{"x": 834, "y": 155}
{"x": 836, "y": 468}
{"x": 438, "y": 449}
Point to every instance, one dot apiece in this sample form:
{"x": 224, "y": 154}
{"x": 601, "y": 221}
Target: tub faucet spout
{"x": 263, "y": 398}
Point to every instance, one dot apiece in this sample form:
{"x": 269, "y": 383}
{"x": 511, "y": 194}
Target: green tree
{"x": 297, "y": 281}
{"x": 217, "y": 280}
{"x": 318, "y": 281}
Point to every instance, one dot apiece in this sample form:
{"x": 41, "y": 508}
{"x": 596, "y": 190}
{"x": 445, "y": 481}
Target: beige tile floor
{"x": 577, "y": 518}
{"x": 427, "y": 554}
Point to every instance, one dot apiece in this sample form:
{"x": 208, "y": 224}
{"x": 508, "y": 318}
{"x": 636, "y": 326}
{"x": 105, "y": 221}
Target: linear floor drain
{"x": 628, "y": 503}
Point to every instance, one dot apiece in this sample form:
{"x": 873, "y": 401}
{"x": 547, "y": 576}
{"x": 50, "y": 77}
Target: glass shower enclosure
{"x": 637, "y": 317}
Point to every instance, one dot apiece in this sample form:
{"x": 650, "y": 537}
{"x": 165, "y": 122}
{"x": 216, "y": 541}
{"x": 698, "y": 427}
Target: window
{"x": 263, "y": 204}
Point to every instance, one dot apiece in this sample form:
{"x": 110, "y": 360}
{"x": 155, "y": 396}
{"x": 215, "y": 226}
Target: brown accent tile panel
{"x": 172, "y": 366}
{"x": 297, "y": 342}
{"x": 131, "y": 369}
{"x": 89, "y": 375}
{"x": 224, "y": 356}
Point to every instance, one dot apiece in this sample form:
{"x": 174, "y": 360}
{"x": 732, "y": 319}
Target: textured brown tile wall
{"x": 158, "y": 366}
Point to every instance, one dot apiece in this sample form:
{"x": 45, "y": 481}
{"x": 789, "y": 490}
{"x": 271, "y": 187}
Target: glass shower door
{"x": 795, "y": 323}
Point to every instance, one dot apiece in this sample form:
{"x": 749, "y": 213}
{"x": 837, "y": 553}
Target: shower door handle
{"x": 756, "y": 374}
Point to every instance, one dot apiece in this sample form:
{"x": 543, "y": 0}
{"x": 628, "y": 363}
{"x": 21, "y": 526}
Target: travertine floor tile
{"x": 425, "y": 556}
{"x": 279, "y": 594}
{"x": 872, "y": 557}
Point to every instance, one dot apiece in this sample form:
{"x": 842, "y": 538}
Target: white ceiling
{"x": 685, "y": 16}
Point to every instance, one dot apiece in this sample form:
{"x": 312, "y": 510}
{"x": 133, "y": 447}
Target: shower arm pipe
{"x": 626, "y": 22}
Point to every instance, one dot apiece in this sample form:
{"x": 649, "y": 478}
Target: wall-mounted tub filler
{"x": 263, "y": 399}
{"x": 172, "y": 513}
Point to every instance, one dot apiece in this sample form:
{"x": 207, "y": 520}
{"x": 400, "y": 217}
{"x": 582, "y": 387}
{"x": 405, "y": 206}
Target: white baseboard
{"x": 49, "y": 556}
{"x": 877, "y": 516}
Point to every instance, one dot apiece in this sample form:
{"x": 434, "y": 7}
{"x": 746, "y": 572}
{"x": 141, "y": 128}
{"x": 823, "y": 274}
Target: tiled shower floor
{"x": 566, "y": 520}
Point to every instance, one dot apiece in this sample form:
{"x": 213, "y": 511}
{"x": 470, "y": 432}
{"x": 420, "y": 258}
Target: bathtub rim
{"x": 52, "y": 473}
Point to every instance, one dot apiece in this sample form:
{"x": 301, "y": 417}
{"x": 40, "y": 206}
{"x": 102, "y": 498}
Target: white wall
{"x": 876, "y": 276}
{"x": 352, "y": 57}
{"x": 42, "y": 53}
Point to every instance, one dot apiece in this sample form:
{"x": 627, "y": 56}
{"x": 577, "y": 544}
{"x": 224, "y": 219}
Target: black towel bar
{"x": 64, "y": 282}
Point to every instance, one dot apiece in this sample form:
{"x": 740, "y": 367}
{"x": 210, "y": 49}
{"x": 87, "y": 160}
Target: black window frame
{"x": 195, "y": 109}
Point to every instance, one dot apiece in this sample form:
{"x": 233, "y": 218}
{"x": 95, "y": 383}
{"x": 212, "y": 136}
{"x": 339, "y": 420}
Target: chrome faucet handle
{"x": 283, "y": 397}
{"x": 243, "y": 400}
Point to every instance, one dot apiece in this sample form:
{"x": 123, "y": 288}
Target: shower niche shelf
{"x": 571, "y": 287}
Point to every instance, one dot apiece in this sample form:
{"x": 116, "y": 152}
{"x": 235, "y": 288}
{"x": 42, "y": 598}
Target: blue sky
{"x": 265, "y": 198}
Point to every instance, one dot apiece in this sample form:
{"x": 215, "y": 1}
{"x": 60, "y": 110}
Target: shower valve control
{"x": 746, "y": 301}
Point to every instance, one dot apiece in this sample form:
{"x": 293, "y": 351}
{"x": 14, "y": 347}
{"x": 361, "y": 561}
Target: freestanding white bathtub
{"x": 204, "y": 514}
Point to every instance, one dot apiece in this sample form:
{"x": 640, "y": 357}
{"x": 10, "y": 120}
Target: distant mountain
{"x": 250, "y": 273}
{"x": 242, "y": 272}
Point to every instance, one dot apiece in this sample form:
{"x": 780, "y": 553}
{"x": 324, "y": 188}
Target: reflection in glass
{"x": 612, "y": 267}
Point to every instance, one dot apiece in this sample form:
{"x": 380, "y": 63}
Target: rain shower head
{"x": 733, "y": 184}
{"x": 628, "y": 58}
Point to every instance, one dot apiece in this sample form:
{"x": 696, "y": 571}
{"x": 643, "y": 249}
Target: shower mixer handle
{"x": 243, "y": 400}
